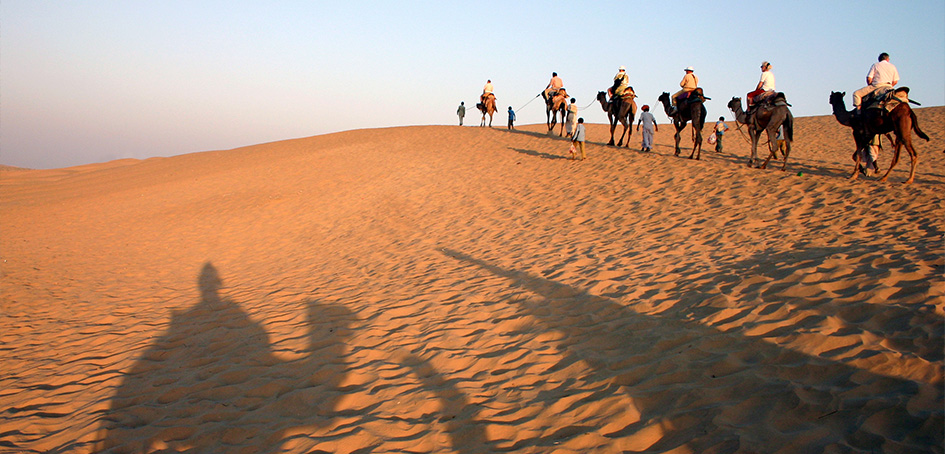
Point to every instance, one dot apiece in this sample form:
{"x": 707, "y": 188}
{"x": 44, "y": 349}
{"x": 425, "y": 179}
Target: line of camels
{"x": 900, "y": 120}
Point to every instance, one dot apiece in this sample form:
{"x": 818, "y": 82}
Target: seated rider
{"x": 765, "y": 86}
{"x": 689, "y": 83}
{"x": 486, "y": 91}
{"x": 621, "y": 82}
{"x": 883, "y": 75}
{"x": 553, "y": 86}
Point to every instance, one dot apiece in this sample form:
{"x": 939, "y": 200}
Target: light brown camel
{"x": 622, "y": 112}
{"x": 871, "y": 121}
{"x": 766, "y": 118}
{"x": 487, "y": 107}
{"x": 556, "y": 103}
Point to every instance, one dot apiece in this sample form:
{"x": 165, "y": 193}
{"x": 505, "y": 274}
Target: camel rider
{"x": 765, "y": 86}
{"x": 620, "y": 86}
{"x": 621, "y": 82}
{"x": 553, "y": 86}
{"x": 486, "y": 91}
{"x": 689, "y": 83}
{"x": 882, "y": 75}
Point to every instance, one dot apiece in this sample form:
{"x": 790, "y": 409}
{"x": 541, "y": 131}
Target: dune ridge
{"x": 447, "y": 289}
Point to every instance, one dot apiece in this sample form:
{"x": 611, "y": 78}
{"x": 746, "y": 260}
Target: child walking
{"x": 720, "y": 128}
{"x": 511, "y": 118}
{"x": 577, "y": 140}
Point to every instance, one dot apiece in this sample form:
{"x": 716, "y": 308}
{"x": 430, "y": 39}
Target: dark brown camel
{"x": 843, "y": 117}
{"x": 624, "y": 112}
{"x": 487, "y": 107}
{"x": 766, "y": 119}
{"x": 556, "y": 103}
{"x": 690, "y": 109}
{"x": 901, "y": 120}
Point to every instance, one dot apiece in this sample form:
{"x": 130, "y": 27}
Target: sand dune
{"x": 447, "y": 289}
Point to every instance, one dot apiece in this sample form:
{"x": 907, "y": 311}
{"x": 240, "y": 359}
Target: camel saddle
{"x": 886, "y": 98}
{"x": 769, "y": 101}
{"x": 628, "y": 94}
{"x": 689, "y": 96}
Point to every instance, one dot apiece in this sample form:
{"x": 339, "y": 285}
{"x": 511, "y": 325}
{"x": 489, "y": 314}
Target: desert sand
{"x": 437, "y": 289}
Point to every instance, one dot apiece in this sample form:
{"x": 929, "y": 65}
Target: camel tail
{"x": 915, "y": 126}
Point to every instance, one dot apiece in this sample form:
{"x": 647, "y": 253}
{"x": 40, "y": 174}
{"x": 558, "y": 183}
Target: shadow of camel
{"x": 211, "y": 383}
{"x": 708, "y": 391}
{"x": 466, "y": 433}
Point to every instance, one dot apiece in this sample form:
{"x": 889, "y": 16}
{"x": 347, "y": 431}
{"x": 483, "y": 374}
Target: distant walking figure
{"x": 720, "y": 128}
{"x": 461, "y": 111}
{"x": 577, "y": 141}
{"x": 649, "y": 127}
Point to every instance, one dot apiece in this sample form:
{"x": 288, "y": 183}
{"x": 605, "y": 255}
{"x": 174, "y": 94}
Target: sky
{"x": 87, "y": 81}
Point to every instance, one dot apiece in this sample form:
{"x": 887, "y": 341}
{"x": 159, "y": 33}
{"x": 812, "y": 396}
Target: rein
{"x": 738, "y": 127}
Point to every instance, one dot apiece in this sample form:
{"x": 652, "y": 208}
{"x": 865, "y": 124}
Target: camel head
{"x": 736, "y": 102}
{"x": 836, "y": 97}
{"x": 663, "y": 97}
{"x": 601, "y": 96}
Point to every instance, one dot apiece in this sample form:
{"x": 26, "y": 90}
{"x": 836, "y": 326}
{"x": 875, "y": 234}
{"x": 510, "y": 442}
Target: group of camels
{"x": 767, "y": 119}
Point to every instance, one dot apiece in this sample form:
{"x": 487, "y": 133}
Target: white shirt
{"x": 767, "y": 81}
{"x": 487, "y": 88}
{"x": 883, "y": 73}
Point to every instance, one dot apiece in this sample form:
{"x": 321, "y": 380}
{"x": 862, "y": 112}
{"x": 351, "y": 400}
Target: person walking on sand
{"x": 649, "y": 127}
{"x": 461, "y": 111}
{"x": 572, "y": 117}
{"x": 577, "y": 141}
{"x": 511, "y": 118}
{"x": 720, "y": 128}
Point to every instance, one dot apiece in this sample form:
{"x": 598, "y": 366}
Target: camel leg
{"x": 915, "y": 161}
{"x": 677, "y": 140}
{"x": 787, "y": 152}
{"x": 856, "y": 165}
{"x": 754, "y": 147}
{"x": 772, "y": 147}
{"x": 613, "y": 127}
{"x": 623, "y": 134}
{"x": 895, "y": 160}
{"x": 696, "y": 142}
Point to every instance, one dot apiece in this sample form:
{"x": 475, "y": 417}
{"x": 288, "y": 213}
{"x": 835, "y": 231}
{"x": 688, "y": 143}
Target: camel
{"x": 870, "y": 121}
{"x": 763, "y": 119}
{"x": 691, "y": 109}
{"x": 553, "y": 105}
{"x": 624, "y": 114}
{"x": 487, "y": 107}
{"x": 843, "y": 117}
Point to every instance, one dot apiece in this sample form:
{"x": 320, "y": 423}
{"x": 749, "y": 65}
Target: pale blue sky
{"x": 91, "y": 81}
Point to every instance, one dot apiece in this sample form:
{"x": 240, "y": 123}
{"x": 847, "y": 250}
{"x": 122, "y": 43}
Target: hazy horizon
{"x": 88, "y": 82}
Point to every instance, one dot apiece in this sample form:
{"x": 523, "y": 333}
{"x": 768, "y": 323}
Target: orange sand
{"x": 446, "y": 289}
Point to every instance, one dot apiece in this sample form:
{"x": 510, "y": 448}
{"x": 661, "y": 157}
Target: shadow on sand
{"x": 709, "y": 391}
{"x": 211, "y": 383}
